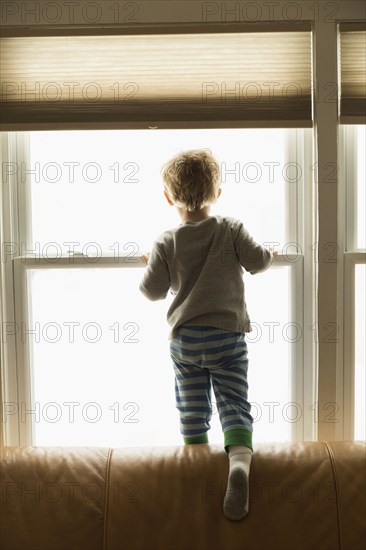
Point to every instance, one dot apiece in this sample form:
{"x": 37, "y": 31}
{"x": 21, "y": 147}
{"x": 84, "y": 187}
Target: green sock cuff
{"x": 238, "y": 436}
{"x": 192, "y": 439}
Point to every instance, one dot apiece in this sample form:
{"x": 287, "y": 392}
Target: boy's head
{"x": 192, "y": 178}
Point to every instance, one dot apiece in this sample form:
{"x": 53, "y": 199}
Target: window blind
{"x": 353, "y": 72}
{"x": 224, "y": 76}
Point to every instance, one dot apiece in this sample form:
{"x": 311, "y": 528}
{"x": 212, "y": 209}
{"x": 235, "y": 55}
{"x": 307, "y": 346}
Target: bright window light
{"x": 101, "y": 367}
{"x": 105, "y": 187}
{"x": 102, "y": 374}
{"x": 360, "y": 355}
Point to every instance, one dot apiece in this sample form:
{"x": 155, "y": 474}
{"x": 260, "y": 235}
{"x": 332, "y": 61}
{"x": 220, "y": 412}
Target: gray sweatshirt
{"x": 201, "y": 263}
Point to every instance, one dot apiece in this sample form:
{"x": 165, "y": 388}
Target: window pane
{"x": 360, "y": 359}
{"x": 361, "y": 184}
{"x": 103, "y": 190}
{"x": 108, "y": 349}
{"x": 270, "y": 347}
{"x": 104, "y": 187}
{"x": 102, "y": 373}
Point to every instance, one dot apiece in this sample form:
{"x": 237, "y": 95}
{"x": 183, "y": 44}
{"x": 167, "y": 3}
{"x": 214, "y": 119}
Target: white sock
{"x": 236, "y": 501}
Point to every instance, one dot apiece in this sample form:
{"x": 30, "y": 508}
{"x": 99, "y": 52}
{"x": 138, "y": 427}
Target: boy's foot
{"x": 236, "y": 501}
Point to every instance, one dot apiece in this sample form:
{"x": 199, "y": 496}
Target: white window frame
{"x": 16, "y": 360}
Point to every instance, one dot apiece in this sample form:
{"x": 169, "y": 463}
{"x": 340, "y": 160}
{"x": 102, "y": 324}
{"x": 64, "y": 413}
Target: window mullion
{"x": 325, "y": 113}
{"x": 9, "y": 240}
{"x": 307, "y": 282}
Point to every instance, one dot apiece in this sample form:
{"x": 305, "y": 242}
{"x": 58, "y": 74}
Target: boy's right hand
{"x": 145, "y": 257}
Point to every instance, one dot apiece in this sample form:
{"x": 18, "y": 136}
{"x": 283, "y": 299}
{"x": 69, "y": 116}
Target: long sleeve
{"x": 156, "y": 281}
{"x": 251, "y": 255}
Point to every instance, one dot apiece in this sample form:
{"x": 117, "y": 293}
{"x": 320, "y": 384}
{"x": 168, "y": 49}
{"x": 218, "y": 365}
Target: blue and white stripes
{"x": 206, "y": 356}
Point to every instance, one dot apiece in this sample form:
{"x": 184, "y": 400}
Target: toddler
{"x": 201, "y": 262}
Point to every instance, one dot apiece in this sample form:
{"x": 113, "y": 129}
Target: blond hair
{"x": 191, "y": 178}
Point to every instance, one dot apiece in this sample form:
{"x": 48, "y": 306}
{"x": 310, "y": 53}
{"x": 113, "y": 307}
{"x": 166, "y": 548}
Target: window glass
{"x": 102, "y": 373}
{"x": 360, "y": 358}
{"x": 98, "y": 191}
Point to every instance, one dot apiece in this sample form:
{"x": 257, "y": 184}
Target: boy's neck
{"x": 198, "y": 216}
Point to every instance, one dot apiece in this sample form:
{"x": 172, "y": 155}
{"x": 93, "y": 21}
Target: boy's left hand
{"x": 272, "y": 251}
{"x": 145, "y": 257}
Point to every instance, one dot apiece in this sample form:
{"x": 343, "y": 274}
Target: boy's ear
{"x": 168, "y": 198}
{"x": 218, "y": 194}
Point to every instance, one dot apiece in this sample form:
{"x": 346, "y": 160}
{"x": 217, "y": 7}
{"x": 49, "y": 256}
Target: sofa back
{"x": 303, "y": 496}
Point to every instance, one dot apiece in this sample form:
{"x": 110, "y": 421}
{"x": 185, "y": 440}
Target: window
{"x": 90, "y": 347}
{"x": 360, "y": 359}
{"x": 352, "y": 145}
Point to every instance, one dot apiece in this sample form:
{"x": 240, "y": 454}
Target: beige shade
{"x": 353, "y": 71}
{"x": 230, "y": 77}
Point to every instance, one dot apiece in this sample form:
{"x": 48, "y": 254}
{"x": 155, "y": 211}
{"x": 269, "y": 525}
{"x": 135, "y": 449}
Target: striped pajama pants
{"x": 206, "y": 356}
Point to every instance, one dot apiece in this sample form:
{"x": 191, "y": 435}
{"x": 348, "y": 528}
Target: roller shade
{"x": 353, "y": 72}
{"x": 255, "y": 76}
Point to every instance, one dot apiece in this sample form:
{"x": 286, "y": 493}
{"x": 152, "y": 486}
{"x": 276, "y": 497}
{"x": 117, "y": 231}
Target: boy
{"x": 201, "y": 262}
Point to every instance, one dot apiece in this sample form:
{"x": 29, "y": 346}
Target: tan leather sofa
{"x": 307, "y": 496}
